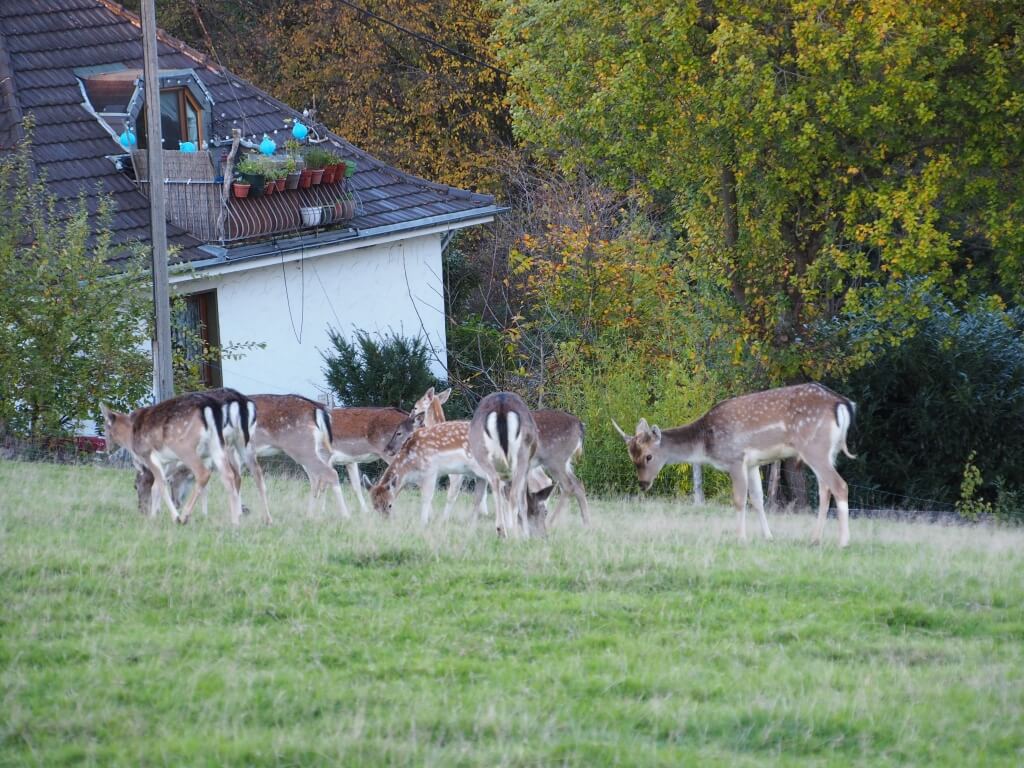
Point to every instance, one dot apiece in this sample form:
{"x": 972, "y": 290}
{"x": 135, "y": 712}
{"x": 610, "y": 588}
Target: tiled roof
{"x": 43, "y": 42}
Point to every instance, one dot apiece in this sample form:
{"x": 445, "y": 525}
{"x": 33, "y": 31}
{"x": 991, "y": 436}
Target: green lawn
{"x": 653, "y": 638}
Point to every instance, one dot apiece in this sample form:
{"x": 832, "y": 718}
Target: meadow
{"x": 651, "y": 638}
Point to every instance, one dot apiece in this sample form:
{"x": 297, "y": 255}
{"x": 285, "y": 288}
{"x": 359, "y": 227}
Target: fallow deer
{"x": 361, "y": 435}
{"x": 561, "y": 441}
{"x": 290, "y": 424}
{"x": 188, "y": 430}
{"x": 429, "y": 452}
{"x": 503, "y": 440}
{"x": 808, "y": 421}
{"x": 427, "y": 412}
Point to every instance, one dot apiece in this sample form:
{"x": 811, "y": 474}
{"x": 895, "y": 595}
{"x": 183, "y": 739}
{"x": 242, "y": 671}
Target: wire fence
{"x": 865, "y": 501}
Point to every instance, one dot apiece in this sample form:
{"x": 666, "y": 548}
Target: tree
{"x": 393, "y": 371}
{"x": 811, "y": 153}
{"x": 73, "y": 311}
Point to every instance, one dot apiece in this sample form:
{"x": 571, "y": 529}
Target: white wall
{"x": 379, "y": 288}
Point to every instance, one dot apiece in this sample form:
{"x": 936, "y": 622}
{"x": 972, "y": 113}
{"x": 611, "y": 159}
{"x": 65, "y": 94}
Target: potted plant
{"x": 350, "y": 168}
{"x": 289, "y": 178}
{"x": 251, "y": 171}
{"x": 316, "y": 159}
{"x": 240, "y": 188}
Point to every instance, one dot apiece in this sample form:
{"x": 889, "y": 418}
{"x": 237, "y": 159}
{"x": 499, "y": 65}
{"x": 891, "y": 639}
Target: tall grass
{"x": 652, "y": 638}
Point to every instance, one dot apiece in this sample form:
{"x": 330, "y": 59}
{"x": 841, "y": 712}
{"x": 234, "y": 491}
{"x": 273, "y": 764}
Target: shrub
{"x": 391, "y": 370}
{"x": 945, "y": 405}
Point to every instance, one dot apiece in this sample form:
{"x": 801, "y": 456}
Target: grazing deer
{"x": 427, "y": 412}
{"x": 431, "y": 451}
{"x": 192, "y": 430}
{"x": 290, "y": 424}
{"x": 808, "y": 421}
{"x": 361, "y": 435}
{"x": 301, "y": 429}
{"x": 503, "y": 439}
{"x": 561, "y": 442}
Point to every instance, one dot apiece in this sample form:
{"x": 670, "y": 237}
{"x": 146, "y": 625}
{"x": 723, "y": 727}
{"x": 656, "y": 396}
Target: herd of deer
{"x": 521, "y": 455}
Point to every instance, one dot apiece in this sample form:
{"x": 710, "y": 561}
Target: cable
{"x": 423, "y": 38}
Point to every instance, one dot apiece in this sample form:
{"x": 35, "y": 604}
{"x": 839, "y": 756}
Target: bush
{"x": 946, "y": 404}
{"x": 626, "y": 386}
{"x": 393, "y": 370}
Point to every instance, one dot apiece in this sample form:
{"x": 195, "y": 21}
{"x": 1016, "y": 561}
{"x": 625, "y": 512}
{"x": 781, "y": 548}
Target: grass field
{"x": 653, "y": 638}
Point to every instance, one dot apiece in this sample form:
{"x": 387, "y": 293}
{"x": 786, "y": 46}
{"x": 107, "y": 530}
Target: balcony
{"x": 200, "y": 204}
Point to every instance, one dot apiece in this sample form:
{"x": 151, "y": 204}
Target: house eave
{"x": 253, "y": 256}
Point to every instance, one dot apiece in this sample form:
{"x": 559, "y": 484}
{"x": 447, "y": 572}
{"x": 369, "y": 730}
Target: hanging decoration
{"x": 300, "y": 131}
{"x": 187, "y": 146}
{"x": 268, "y": 146}
{"x": 127, "y": 139}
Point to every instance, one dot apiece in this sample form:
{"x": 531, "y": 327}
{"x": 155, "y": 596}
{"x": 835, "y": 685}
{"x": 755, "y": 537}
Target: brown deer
{"x": 503, "y": 440}
{"x": 193, "y": 430}
{"x": 561, "y": 442}
{"x": 361, "y": 435}
{"x": 808, "y": 421}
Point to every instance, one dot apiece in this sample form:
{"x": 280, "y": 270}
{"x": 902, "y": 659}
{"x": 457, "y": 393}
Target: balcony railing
{"x": 196, "y": 202}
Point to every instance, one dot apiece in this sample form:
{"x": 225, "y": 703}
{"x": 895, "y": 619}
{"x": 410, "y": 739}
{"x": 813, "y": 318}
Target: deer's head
{"x": 644, "y": 451}
{"x": 117, "y": 428}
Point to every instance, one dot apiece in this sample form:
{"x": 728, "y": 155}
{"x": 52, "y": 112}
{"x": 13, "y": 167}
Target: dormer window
{"x": 181, "y": 119}
{"x": 116, "y": 96}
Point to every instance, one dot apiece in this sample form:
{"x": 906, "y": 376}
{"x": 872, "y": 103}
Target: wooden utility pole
{"x": 163, "y": 375}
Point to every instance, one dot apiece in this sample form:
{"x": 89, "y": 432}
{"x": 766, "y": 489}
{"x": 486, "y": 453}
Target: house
{"x": 363, "y": 252}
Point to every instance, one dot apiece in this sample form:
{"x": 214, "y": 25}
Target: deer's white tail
{"x": 502, "y": 437}
{"x": 844, "y": 417}
{"x": 324, "y": 436}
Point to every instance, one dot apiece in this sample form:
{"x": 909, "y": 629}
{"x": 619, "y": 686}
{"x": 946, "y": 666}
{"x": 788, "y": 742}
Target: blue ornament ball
{"x": 268, "y": 146}
{"x": 127, "y": 138}
{"x": 299, "y": 131}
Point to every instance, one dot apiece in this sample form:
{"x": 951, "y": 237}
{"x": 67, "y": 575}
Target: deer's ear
{"x": 656, "y": 431}
{"x": 108, "y": 415}
{"x": 443, "y": 397}
{"x": 642, "y": 427}
{"x": 429, "y": 394}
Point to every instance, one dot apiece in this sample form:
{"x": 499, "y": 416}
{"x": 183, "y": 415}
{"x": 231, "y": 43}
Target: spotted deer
{"x": 361, "y": 435}
{"x": 427, "y": 412}
{"x": 188, "y": 430}
{"x": 428, "y": 453}
{"x": 561, "y": 442}
{"x": 503, "y": 440}
{"x": 808, "y": 421}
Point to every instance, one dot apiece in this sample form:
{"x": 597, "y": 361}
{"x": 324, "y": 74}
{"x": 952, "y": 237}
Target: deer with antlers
{"x": 195, "y": 430}
{"x": 808, "y": 421}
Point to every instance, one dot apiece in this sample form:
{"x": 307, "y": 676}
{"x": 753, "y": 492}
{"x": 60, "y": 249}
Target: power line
{"x": 424, "y": 38}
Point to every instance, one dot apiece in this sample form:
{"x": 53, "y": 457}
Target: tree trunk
{"x": 732, "y": 226}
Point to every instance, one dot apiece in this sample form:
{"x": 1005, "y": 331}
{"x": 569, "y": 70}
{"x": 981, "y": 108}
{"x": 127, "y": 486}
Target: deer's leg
{"x": 454, "y": 488}
{"x": 231, "y": 477}
{"x": 830, "y": 481}
{"x": 739, "y": 498}
{"x": 479, "y": 498}
{"x": 756, "y": 494}
{"x": 261, "y": 485}
{"x": 202, "y": 476}
{"x": 356, "y": 481}
{"x": 428, "y": 484}
{"x": 568, "y": 482}
{"x": 327, "y": 475}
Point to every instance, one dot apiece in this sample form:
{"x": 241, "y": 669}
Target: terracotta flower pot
{"x": 318, "y": 176}
{"x": 270, "y": 188}
{"x": 328, "y": 175}
{"x": 306, "y": 181}
{"x": 240, "y": 189}
{"x": 279, "y": 183}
